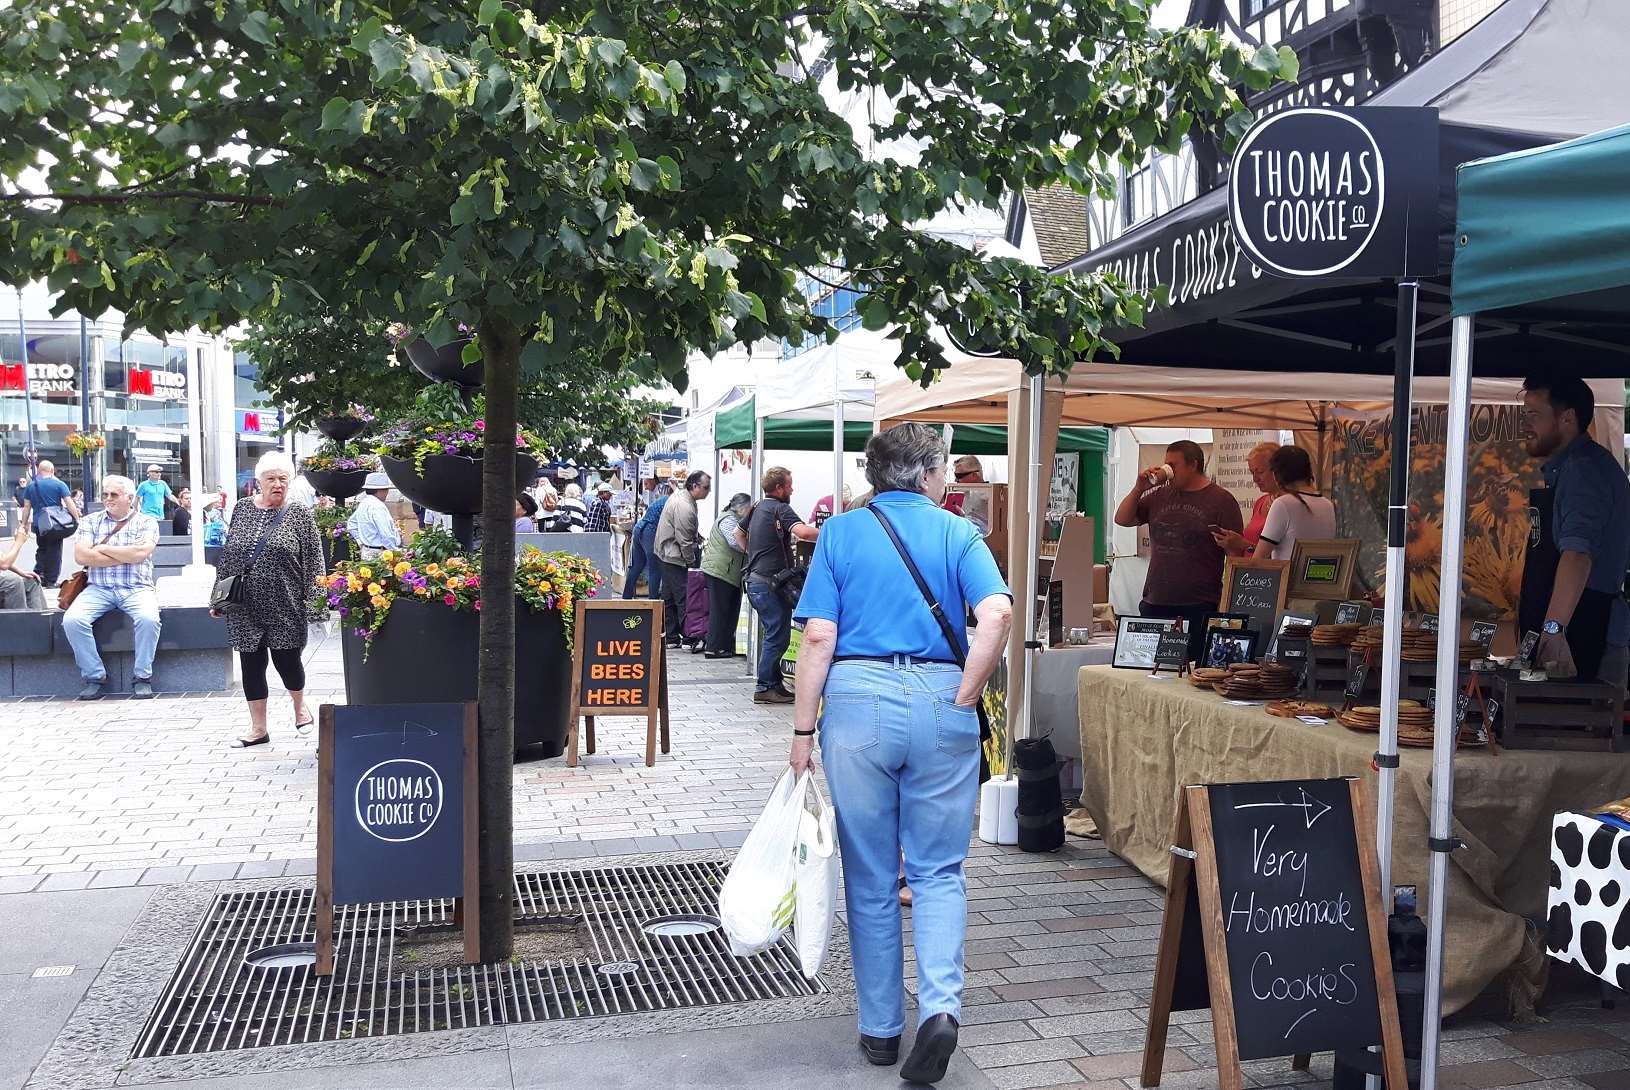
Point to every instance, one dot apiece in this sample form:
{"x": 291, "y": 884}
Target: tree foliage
{"x": 318, "y": 363}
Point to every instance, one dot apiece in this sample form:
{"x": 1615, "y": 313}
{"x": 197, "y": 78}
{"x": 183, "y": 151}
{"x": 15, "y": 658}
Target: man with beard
{"x": 1579, "y": 538}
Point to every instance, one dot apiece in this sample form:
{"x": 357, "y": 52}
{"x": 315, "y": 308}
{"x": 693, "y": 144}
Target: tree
{"x": 622, "y": 183}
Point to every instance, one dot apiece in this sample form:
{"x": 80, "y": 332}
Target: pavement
{"x": 108, "y": 808}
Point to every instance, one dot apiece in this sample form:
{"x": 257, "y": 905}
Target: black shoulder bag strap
{"x": 946, "y": 630}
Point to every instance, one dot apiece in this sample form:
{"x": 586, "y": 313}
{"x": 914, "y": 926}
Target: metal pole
{"x": 195, "y": 453}
{"x": 1033, "y": 502}
{"x": 1386, "y": 759}
{"x": 837, "y": 455}
{"x": 30, "y": 453}
{"x": 1445, "y": 727}
{"x": 85, "y": 406}
{"x": 756, "y": 469}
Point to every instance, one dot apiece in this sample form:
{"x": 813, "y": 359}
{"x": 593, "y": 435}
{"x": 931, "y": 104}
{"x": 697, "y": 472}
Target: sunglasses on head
{"x": 961, "y": 473}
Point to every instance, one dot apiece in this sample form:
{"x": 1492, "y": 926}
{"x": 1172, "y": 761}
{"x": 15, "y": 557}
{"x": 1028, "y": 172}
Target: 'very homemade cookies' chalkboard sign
{"x": 1257, "y": 589}
{"x": 1292, "y": 934}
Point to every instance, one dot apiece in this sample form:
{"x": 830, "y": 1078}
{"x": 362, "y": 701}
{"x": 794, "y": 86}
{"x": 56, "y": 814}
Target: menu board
{"x": 1257, "y": 589}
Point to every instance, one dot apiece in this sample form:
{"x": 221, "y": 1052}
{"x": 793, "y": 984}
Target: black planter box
{"x": 446, "y": 362}
{"x": 341, "y": 429}
{"x": 451, "y": 483}
{"x": 341, "y": 484}
{"x": 425, "y": 653}
{"x": 335, "y": 549}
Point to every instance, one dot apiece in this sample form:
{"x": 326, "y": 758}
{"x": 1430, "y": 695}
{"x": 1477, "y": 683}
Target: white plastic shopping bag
{"x": 816, "y": 872}
{"x": 756, "y": 901}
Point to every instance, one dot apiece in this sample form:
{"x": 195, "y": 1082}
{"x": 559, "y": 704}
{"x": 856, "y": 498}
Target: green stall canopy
{"x": 1547, "y": 225}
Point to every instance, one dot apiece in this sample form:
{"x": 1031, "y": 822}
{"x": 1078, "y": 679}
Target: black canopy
{"x": 1542, "y": 63}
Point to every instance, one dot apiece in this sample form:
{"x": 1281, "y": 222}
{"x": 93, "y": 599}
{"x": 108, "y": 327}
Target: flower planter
{"x": 425, "y": 653}
{"x": 450, "y": 483}
{"x": 445, "y": 363}
{"x": 335, "y": 549}
{"x": 341, "y": 429}
{"x": 341, "y": 484}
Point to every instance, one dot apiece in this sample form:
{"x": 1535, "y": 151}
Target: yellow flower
{"x": 423, "y": 592}
{"x": 375, "y": 589}
{"x": 365, "y": 572}
{"x": 454, "y": 583}
{"x": 387, "y": 556}
{"x": 544, "y": 585}
{"x": 402, "y": 568}
{"x": 433, "y": 569}
{"x": 379, "y": 603}
{"x": 353, "y": 584}
{"x": 456, "y": 563}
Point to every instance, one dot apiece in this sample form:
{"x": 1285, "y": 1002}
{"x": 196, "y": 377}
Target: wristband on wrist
{"x": 803, "y": 733}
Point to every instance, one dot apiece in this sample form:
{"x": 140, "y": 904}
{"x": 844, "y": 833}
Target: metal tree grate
{"x": 221, "y": 999}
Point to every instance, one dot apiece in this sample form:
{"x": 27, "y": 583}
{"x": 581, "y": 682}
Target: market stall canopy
{"x": 699, "y": 425}
{"x": 1531, "y": 73}
{"x": 846, "y": 370}
{"x": 1547, "y": 228}
{"x": 976, "y": 391}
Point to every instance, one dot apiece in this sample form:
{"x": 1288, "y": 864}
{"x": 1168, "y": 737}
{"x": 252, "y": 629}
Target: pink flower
{"x": 480, "y": 425}
{"x": 449, "y": 599}
{"x": 478, "y": 603}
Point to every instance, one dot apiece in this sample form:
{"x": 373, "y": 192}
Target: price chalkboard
{"x": 1257, "y": 589}
{"x": 618, "y": 669}
{"x": 1429, "y": 622}
{"x": 1349, "y": 612}
{"x": 1355, "y": 680}
{"x": 1483, "y": 632}
{"x": 1055, "y": 613}
{"x": 1172, "y": 652}
{"x": 1525, "y": 652}
{"x": 1292, "y": 934}
{"x": 396, "y": 810}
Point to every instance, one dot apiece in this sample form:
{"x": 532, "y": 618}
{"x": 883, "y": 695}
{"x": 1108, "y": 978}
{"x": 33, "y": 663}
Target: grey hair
{"x": 897, "y": 459}
{"x": 124, "y": 485}
{"x": 274, "y": 460}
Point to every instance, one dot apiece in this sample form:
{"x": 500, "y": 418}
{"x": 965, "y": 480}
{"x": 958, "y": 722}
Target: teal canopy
{"x": 733, "y": 430}
{"x": 1549, "y": 225}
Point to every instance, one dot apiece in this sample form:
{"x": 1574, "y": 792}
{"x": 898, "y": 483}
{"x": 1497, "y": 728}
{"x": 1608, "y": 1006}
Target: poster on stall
{"x": 1230, "y": 449}
{"x": 1358, "y": 457}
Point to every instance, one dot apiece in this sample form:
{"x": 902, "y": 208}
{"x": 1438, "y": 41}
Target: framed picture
{"x": 1136, "y": 639}
{"x": 1230, "y": 622}
{"x": 1225, "y": 648}
{"x": 1323, "y": 570}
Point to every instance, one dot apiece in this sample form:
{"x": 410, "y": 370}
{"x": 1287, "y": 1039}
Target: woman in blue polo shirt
{"x": 899, "y": 732}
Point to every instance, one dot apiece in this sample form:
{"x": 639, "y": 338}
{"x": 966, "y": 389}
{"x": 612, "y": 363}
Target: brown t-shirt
{"x": 1185, "y": 564}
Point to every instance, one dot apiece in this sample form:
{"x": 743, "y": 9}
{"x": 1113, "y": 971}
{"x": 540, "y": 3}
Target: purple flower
{"x": 344, "y": 610}
{"x": 333, "y": 599}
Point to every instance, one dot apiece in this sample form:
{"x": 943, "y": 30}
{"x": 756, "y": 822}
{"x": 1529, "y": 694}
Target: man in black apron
{"x": 1579, "y": 539}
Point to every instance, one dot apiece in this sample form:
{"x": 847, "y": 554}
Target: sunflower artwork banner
{"x": 1358, "y": 456}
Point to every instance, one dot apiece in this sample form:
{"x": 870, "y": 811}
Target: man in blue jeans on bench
{"x": 115, "y": 547}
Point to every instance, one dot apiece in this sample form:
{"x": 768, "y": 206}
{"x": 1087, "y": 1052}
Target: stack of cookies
{"x": 1420, "y": 645}
{"x": 1204, "y": 677}
{"x": 1290, "y": 709}
{"x": 1335, "y": 635}
{"x": 1296, "y": 631}
{"x": 1414, "y": 721}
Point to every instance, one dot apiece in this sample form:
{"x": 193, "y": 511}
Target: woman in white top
{"x": 1300, "y": 513}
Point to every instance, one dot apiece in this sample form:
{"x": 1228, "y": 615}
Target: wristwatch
{"x": 1554, "y": 628}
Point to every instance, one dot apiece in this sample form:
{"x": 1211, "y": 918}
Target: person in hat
{"x": 154, "y": 492}
{"x": 371, "y": 525}
{"x": 598, "y": 519}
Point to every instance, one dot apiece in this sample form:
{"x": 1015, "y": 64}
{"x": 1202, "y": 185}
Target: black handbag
{"x": 229, "y": 590}
{"x": 957, "y": 651}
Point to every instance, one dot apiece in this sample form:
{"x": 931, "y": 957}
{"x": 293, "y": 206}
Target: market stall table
{"x": 1142, "y": 738}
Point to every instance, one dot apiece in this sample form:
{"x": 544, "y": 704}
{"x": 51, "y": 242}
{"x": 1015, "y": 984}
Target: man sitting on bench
{"x": 19, "y": 588}
{"x": 115, "y": 546}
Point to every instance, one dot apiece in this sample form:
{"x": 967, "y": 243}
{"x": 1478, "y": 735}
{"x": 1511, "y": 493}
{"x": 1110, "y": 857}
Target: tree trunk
{"x": 501, "y": 354}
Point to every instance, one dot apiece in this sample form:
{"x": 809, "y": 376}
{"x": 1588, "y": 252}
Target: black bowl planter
{"x": 425, "y": 653}
{"x": 446, "y": 362}
{"x": 341, "y": 484}
{"x": 450, "y": 483}
{"x": 335, "y": 549}
{"x": 341, "y": 429}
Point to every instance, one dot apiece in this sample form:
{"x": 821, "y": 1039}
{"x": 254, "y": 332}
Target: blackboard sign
{"x": 1055, "y": 613}
{"x": 1257, "y": 589}
{"x": 396, "y": 809}
{"x": 1525, "y": 652}
{"x": 1483, "y": 632}
{"x": 1292, "y": 936}
{"x": 618, "y": 669}
{"x": 1349, "y": 612}
{"x": 1378, "y": 616}
{"x": 1338, "y": 191}
{"x": 1429, "y": 622}
{"x": 1355, "y": 680}
{"x": 1172, "y": 652}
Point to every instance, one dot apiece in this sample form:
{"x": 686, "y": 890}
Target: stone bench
{"x": 36, "y": 660}
{"x": 172, "y": 553}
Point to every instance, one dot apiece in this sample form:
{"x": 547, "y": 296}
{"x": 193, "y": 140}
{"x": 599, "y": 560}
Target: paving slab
{"x": 80, "y": 927}
{"x": 32, "y": 1012}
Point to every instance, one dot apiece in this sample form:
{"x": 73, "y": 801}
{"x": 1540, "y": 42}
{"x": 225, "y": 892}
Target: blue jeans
{"x": 93, "y": 601}
{"x": 642, "y": 560}
{"x": 902, "y": 762}
{"x": 776, "y": 617}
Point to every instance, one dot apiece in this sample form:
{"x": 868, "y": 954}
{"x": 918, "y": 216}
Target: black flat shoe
{"x": 301, "y": 728}
{"x": 245, "y": 743}
{"x": 931, "y": 1052}
{"x": 881, "y": 1051}
{"x": 720, "y": 655}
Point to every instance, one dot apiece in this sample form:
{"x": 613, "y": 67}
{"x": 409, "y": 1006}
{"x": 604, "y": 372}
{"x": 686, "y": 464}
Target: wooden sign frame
{"x": 466, "y": 915}
{"x": 1194, "y": 864}
{"x": 656, "y": 714}
{"x": 1343, "y": 550}
{"x": 1234, "y": 564}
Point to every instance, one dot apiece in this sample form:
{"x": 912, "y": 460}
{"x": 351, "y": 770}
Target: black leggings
{"x": 289, "y": 668}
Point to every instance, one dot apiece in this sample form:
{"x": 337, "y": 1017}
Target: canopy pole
{"x": 1445, "y": 725}
{"x": 1033, "y": 507}
{"x": 756, "y": 470}
{"x": 1393, "y": 630}
{"x": 837, "y": 456}
{"x": 196, "y": 569}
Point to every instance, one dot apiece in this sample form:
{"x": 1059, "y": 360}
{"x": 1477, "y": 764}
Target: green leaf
{"x": 1290, "y": 65}
{"x": 507, "y": 30}
{"x": 471, "y": 352}
{"x": 334, "y": 113}
{"x": 756, "y": 306}
{"x": 489, "y": 11}
{"x": 874, "y": 312}
{"x": 674, "y": 73}
{"x": 257, "y": 27}
{"x": 670, "y": 171}
{"x": 610, "y": 51}
{"x": 647, "y": 175}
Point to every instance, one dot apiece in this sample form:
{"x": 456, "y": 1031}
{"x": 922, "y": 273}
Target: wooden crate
{"x": 1559, "y": 714}
{"x": 1330, "y": 667}
{"x": 1327, "y": 673}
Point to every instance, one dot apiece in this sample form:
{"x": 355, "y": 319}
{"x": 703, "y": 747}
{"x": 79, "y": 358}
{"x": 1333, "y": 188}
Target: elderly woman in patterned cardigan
{"x": 273, "y": 544}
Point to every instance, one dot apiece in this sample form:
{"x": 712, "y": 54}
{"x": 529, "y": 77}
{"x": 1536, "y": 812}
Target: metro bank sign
{"x": 43, "y": 378}
{"x": 169, "y": 385}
